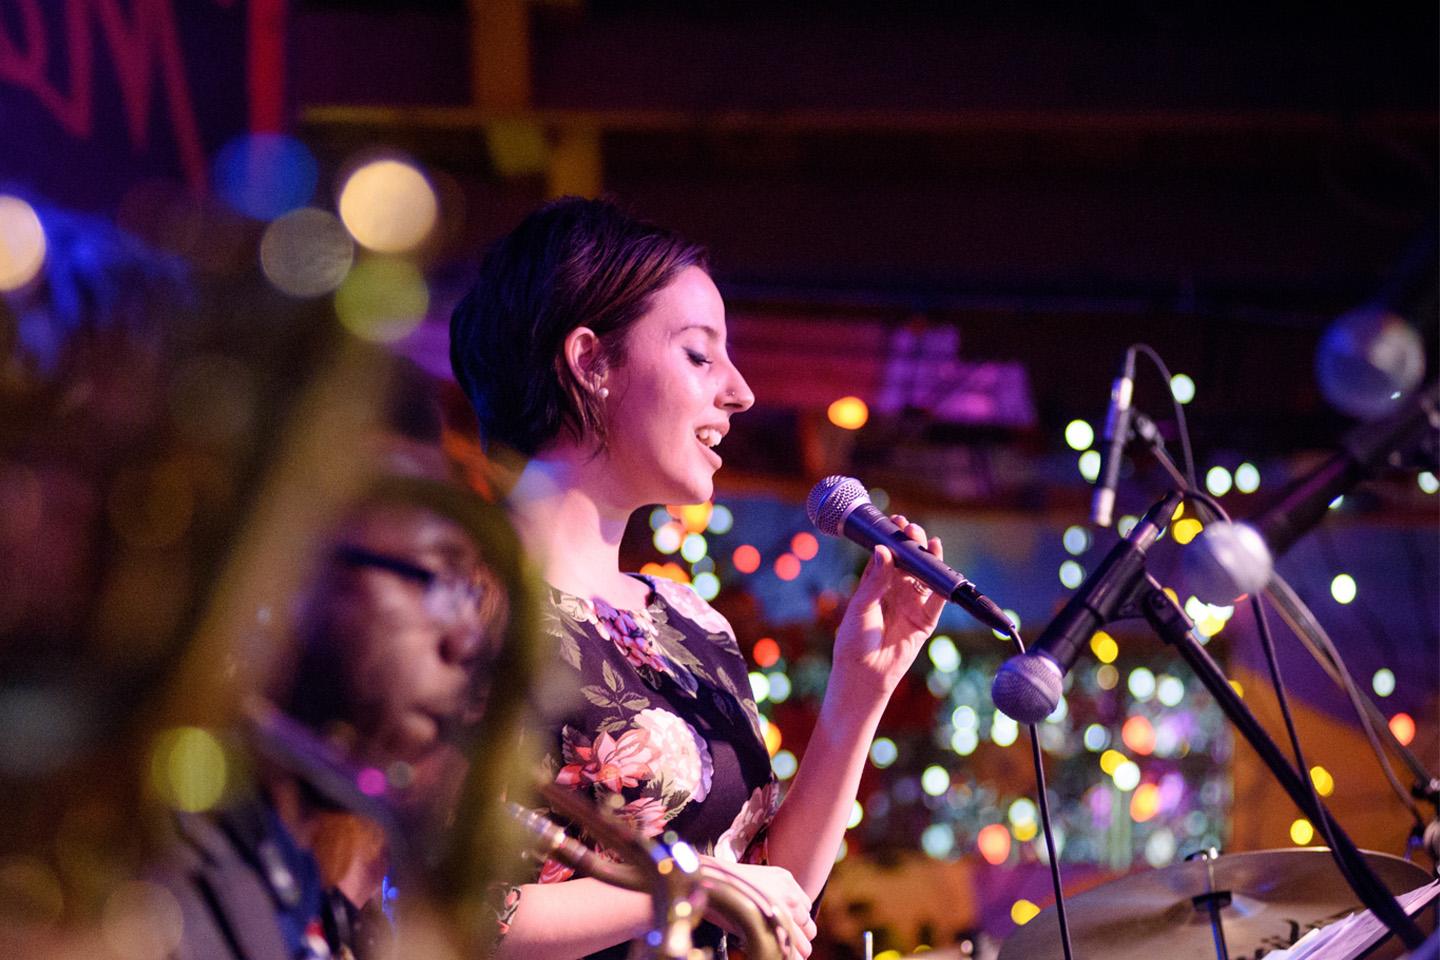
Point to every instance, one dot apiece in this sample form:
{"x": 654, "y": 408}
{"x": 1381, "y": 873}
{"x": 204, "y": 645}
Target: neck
{"x": 570, "y": 521}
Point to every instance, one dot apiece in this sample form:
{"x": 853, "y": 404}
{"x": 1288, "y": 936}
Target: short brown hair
{"x": 572, "y": 263}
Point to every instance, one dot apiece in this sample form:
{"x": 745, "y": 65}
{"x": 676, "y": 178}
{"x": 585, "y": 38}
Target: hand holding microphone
{"x": 841, "y": 507}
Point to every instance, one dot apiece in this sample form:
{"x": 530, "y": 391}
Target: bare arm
{"x": 885, "y": 625}
{"x": 561, "y": 921}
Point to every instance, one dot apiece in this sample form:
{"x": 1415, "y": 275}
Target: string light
{"x": 848, "y": 413}
{"x": 1079, "y": 435}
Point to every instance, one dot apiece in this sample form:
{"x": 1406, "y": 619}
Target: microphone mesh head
{"x": 1227, "y": 561}
{"x": 1027, "y": 688}
{"x": 831, "y": 501}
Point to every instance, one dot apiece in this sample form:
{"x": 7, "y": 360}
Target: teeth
{"x": 708, "y": 436}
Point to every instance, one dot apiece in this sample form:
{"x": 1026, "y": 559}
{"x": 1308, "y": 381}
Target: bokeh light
{"x": 857, "y": 815}
{"x": 804, "y": 545}
{"x": 780, "y": 687}
{"x": 1110, "y": 761}
{"x": 848, "y": 413}
{"x": 1218, "y": 481}
{"x": 1141, "y": 684}
{"x": 746, "y": 558}
{"x": 943, "y": 654}
{"x": 721, "y": 519}
{"x": 993, "y": 842}
{"x": 264, "y": 175}
{"x": 707, "y": 585}
{"x": 1182, "y": 388}
{"x": 772, "y": 738}
{"x": 937, "y": 840}
{"x": 1022, "y": 911}
{"x": 1342, "y": 588}
{"x": 766, "y": 652}
{"x": 1301, "y": 832}
{"x": 787, "y": 566}
{"x": 935, "y": 780}
{"x": 188, "y": 769}
{"x": 1079, "y": 435}
{"x": 965, "y": 740}
{"x": 1247, "y": 477}
{"x": 1402, "y": 725}
{"x": 1076, "y": 540}
{"x": 668, "y": 537}
{"x": 1125, "y": 524}
{"x": 1071, "y": 574}
{"x": 883, "y": 752}
{"x": 693, "y": 547}
{"x": 1003, "y": 730}
{"x": 382, "y": 300}
{"x": 693, "y": 517}
{"x": 1383, "y": 683}
{"x": 1096, "y": 738}
{"x": 22, "y": 243}
{"x": 1126, "y": 775}
{"x": 1106, "y": 676}
{"x": 759, "y": 686}
{"x": 1185, "y": 530}
{"x": 1138, "y": 734}
{"x": 1429, "y": 483}
{"x": 1169, "y": 690}
{"x": 1323, "y": 781}
{"x": 1104, "y": 647}
{"x": 306, "y": 253}
{"x": 1145, "y": 802}
{"x": 784, "y": 764}
{"x": 388, "y": 206}
{"x": 1089, "y": 464}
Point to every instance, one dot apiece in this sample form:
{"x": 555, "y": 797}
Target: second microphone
{"x": 841, "y": 507}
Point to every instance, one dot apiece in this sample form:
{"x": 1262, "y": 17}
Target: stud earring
{"x": 603, "y": 393}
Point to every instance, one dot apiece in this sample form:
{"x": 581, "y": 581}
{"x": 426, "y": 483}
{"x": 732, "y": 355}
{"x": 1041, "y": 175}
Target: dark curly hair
{"x": 574, "y": 262}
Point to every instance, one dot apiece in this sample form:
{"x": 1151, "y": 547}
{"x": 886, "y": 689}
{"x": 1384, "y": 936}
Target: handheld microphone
{"x": 1117, "y": 434}
{"x": 1027, "y": 687}
{"x": 841, "y": 507}
{"x": 1228, "y": 560}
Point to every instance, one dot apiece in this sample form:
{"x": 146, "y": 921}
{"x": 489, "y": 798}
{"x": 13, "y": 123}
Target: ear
{"x": 585, "y": 356}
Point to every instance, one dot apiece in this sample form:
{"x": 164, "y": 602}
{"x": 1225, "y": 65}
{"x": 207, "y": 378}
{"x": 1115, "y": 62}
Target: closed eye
{"x": 699, "y": 359}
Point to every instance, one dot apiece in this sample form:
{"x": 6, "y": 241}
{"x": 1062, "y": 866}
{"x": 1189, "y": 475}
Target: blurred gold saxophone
{"x": 681, "y": 887}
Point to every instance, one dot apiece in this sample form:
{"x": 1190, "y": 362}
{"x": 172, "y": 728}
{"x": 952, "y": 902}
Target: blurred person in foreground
{"x": 361, "y": 749}
{"x": 594, "y": 346}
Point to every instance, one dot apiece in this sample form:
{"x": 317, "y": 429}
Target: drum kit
{"x": 1239, "y": 905}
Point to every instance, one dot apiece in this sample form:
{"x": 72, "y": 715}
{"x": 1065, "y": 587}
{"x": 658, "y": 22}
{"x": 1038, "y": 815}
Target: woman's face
{"x": 671, "y": 400}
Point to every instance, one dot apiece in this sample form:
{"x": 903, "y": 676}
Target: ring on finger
{"x": 920, "y": 588}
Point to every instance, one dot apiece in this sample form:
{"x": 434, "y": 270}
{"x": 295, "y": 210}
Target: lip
{"x": 710, "y": 453}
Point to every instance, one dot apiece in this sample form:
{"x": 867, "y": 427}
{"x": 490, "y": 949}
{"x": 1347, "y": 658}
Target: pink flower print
{"x": 682, "y": 757}
{"x": 758, "y": 811}
{"x": 555, "y": 872}
{"x": 635, "y": 638}
{"x": 647, "y": 816}
{"x": 611, "y": 763}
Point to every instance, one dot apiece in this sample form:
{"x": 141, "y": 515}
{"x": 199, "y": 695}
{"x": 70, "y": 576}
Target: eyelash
{"x": 699, "y": 359}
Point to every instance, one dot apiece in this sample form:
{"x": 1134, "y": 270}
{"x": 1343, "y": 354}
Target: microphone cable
{"x": 1052, "y": 855}
{"x": 1190, "y": 488}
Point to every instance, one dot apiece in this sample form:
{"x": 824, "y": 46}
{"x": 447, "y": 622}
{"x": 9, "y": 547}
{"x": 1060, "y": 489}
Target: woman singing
{"x": 594, "y": 345}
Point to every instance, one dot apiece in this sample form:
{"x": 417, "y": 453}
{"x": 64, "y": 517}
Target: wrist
{"x": 852, "y": 707}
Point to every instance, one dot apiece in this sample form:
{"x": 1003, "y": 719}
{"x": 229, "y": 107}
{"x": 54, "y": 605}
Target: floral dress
{"x": 664, "y": 720}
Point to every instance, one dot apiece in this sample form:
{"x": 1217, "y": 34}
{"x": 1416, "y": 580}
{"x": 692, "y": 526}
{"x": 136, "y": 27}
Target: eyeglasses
{"x": 453, "y": 600}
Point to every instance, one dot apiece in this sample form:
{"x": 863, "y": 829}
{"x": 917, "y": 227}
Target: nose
{"x": 461, "y": 641}
{"x": 736, "y": 395}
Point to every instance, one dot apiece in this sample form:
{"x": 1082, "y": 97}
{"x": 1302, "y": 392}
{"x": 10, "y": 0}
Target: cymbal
{"x": 1276, "y": 896}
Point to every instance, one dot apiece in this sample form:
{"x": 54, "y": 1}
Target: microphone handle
{"x": 868, "y": 526}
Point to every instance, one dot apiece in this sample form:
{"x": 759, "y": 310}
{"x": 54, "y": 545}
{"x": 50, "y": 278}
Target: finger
{"x": 937, "y": 548}
{"x": 915, "y": 532}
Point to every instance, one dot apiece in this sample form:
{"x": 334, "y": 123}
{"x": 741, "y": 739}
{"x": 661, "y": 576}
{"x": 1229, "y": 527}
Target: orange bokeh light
{"x": 994, "y": 843}
{"x": 694, "y": 517}
{"x": 848, "y": 413}
{"x": 766, "y": 652}
{"x": 787, "y": 566}
{"x": 1139, "y": 735}
{"x": 746, "y": 558}
{"x": 804, "y": 545}
{"x": 772, "y": 738}
{"x": 1403, "y": 726}
{"x": 1145, "y": 802}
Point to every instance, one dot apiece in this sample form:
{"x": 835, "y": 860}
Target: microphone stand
{"x": 1425, "y": 785}
{"x": 1144, "y": 596}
